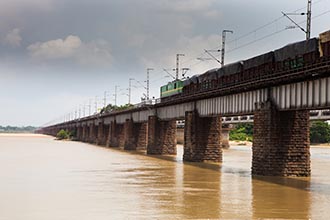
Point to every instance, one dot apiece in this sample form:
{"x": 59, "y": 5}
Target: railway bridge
{"x": 280, "y": 110}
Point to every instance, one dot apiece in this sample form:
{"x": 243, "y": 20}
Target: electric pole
{"x": 223, "y": 46}
{"x": 177, "y": 66}
{"x": 90, "y": 107}
{"x": 309, "y": 20}
{"x": 105, "y": 99}
{"x": 129, "y": 90}
{"x": 115, "y": 95}
{"x": 148, "y": 81}
{"x": 106, "y": 93}
{"x": 95, "y": 104}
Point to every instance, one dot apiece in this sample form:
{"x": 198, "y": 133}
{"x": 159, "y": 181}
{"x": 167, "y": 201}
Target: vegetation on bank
{"x": 15, "y": 129}
{"x": 65, "y": 135}
{"x": 110, "y": 108}
{"x": 242, "y": 132}
{"x": 319, "y": 132}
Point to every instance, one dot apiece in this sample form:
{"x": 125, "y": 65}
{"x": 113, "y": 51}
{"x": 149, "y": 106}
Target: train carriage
{"x": 258, "y": 67}
{"x": 272, "y": 64}
{"x": 208, "y": 80}
{"x": 296, "y": 55}
{"x": 190, "y": 85}
{"x": 229, "y": 74}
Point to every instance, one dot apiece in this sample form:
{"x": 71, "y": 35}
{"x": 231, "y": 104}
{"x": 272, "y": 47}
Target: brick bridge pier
{"x": 280, "y": 142}
{"x": 280, "y": 145}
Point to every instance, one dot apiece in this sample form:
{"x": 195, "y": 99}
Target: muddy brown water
{"x": 43, "y": 179}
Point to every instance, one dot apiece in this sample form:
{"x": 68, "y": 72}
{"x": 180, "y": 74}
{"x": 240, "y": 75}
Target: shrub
{"x": 62, "y": 135}
{"x": 242, "y": 132}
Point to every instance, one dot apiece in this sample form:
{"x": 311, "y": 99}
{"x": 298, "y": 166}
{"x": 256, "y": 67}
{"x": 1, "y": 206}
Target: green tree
{"x": 242, "y": 132}
{"x": 63, "y": 135}
{"x": 319, "y": 132}
{"x": 110, "y": 108}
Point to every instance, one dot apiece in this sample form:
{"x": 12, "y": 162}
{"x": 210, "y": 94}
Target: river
{"x": 44, "y": 179}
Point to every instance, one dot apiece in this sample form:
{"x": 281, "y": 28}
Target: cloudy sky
{"x": 57, "y": 55}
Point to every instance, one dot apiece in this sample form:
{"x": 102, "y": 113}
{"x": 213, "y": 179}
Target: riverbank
{"x": 321, "y": 145}
{"x": 21, "y": 135}
{"x": 249, "y": 144}
{"x": 231, "y": 143}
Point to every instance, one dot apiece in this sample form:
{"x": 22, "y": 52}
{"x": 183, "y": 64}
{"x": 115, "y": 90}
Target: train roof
{"x": 209, "y": 75}
{"x": 230, "y": 69}
{"x": 294, "y": 49}
{"x": 193, "y": 79}
{"x": 259, "y": 60}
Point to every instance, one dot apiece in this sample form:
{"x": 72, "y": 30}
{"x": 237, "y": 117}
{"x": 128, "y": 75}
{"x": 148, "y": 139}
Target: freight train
{"x": 293, "y": 57}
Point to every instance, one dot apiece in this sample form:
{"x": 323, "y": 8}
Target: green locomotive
{"x": 172, "y": 88}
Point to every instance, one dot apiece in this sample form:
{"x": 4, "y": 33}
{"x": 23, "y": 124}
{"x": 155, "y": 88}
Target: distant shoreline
{"x": 20, "y": 132}
{"x": 21, "y": 135}
{"x": 231, "y": 143}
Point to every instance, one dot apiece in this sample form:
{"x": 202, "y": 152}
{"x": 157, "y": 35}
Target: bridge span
{"x": 280, "y": 115}
{"x": 314, "y": 115}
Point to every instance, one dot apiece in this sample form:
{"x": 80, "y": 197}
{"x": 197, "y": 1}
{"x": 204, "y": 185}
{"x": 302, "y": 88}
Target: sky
{"x": 59, "y": 56}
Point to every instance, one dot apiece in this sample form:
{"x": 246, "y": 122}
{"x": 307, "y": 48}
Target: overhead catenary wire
{"x": 273, "y": 33}
{"x": 239, "y": 47}
{"x": 193, "y": 64}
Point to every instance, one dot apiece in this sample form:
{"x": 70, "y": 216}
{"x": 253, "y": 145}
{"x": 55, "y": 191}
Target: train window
{"x": 174, "y": 85}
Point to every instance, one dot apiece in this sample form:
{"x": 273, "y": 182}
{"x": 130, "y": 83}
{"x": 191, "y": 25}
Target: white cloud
{"x": 94, "y": 53}
{"x": 13, "y": 38}
{"x": 55, "y": 49}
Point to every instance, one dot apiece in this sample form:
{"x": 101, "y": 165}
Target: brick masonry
{"x": 161, "y": 136}
{"x": 79, "y": 133}
{"x": 92, "y": 133}
{"x": 136, "y": 135}
{"x": 85, "y": 133}
{"x": 140, "y": 131}
{"x": 108, "y": 140}
{"x": 202, "y": 138}
{"x": 281, "y": 142}
{"x": 105, "y": 136}
{"x": 113, "y": 140}
{"x": 130, "y": 143}
{"x": 100, "y": 134}
{"x": 121, "y": 135}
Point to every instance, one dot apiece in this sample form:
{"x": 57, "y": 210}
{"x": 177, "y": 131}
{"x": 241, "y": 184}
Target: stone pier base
{"x": 136, "y": 135}
{"x": 161, "y": 136}
{"x": 85, "y": 133}
{"x": 202, "y": 138}
{"x": 280, "y": 142}
{"x": 113, "y": 139}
